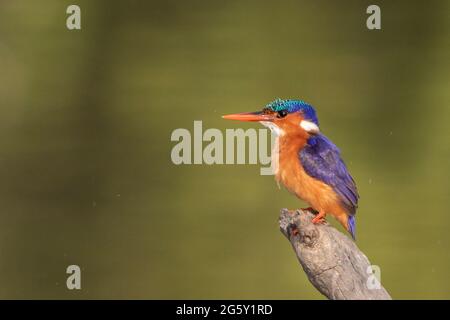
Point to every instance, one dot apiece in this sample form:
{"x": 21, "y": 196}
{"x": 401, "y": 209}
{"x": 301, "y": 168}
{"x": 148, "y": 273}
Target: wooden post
{"x": 330, "y": 259}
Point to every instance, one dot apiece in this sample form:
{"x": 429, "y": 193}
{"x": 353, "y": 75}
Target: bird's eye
{"x": 282, "y": 113}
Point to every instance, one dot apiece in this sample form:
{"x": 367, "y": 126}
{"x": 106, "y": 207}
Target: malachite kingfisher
{"x": 309, "y": 164}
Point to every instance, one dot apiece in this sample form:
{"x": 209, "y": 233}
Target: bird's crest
{"x": 294, "y": 106}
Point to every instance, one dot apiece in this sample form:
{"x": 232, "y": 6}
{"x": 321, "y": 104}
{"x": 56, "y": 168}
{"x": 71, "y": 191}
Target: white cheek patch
{"x": 309, "y": 126}
{"x": 273, "y": 127}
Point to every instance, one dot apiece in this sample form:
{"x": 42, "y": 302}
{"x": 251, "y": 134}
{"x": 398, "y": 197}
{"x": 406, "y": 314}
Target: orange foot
{"x": 319, "y": 218}
{"x": 319, "y": 221}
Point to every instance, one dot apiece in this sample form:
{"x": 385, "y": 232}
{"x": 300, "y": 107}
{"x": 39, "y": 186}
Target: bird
{"x": 309, "y": 164}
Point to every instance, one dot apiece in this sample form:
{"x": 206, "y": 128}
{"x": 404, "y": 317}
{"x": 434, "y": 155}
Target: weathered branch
{"x": 331, "y": 260}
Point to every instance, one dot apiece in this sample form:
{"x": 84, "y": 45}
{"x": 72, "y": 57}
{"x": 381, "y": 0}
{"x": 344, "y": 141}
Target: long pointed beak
{"x": 250, "y": 116}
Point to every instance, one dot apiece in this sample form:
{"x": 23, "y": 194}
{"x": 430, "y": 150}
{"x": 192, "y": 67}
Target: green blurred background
{"x": 86, "y": 116}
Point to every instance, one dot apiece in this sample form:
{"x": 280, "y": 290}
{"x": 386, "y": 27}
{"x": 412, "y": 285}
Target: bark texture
{"x": 330, "y": 259}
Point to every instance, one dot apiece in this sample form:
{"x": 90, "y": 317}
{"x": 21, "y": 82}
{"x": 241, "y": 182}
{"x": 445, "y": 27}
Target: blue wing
{"x": 322, "y": 160}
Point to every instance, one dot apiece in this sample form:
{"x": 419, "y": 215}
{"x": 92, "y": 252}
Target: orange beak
{"x": 250, "y": 116}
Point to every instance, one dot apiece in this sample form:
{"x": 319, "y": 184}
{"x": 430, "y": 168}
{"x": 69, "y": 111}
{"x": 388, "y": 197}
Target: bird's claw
{"x": 319, "y": 220}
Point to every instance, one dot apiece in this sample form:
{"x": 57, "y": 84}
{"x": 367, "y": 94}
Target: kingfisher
{"x": 309, "y": 165}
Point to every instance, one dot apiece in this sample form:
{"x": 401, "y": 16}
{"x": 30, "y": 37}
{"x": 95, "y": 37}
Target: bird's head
{"x": 291, "y": 117}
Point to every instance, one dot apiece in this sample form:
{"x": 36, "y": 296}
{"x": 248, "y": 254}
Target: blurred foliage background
{"x": 86, "y": 117}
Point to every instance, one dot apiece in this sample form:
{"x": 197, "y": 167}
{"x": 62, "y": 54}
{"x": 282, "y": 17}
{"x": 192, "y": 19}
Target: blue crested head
{"x": 293, "y": 106}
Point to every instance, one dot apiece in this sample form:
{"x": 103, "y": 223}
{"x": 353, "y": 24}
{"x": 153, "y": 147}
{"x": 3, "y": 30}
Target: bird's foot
{"x": 319, "y": 220}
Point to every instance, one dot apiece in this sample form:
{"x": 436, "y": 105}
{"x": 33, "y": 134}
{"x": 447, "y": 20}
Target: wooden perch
{"x": 331, "y": 260}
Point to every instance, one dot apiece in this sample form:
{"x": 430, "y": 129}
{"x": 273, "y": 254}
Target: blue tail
{"x": 352, "y": 226}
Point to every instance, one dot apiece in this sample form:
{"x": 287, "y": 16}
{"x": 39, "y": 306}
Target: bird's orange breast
{"x": 291, "y": 174}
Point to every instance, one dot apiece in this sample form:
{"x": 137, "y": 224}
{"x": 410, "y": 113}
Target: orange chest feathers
{"x": 291, "y": 174}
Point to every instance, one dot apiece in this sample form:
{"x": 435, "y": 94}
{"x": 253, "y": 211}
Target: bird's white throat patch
{"x": 273, "y": 127}
{"x": 309, "y": 126}
{"x": 277, "y": 131}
